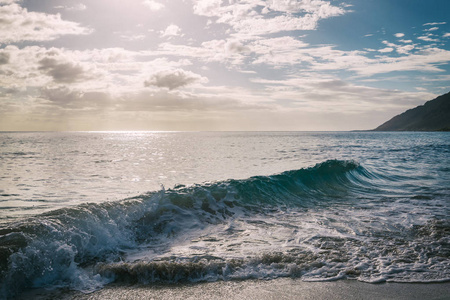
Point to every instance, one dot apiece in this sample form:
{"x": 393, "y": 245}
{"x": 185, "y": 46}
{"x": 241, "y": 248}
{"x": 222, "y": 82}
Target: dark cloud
{"x": 4, "y": 58}
{"x": 162, "y": 101}
{"x": 236, "y": 47}
{"x": 75, "y": 99}
{"x": 10, "y": 91}
{"x": 62, "y": 72}
{"x": 173, "y": 79}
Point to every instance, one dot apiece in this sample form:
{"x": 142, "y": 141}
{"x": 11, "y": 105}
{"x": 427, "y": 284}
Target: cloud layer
{"x": 211, "y": 64}
{"x": 18, "y": 24}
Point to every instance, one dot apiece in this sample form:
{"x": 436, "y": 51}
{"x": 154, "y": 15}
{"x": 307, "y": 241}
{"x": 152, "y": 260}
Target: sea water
{"x": 80, "y": 210}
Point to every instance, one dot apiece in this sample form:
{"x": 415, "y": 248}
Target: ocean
{"x": 80, "y": 210}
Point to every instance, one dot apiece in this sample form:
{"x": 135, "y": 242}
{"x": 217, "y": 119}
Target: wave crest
{"x": 54, "y": 248}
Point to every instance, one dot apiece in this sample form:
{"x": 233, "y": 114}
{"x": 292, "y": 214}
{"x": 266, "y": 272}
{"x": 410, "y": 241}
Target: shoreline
{"x": 281, "y": 288}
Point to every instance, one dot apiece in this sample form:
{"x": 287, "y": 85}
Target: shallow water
{"x": 80, "y": 210}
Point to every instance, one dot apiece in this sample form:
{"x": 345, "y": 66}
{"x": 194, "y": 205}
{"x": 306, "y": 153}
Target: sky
{"x": 301, "y": 65}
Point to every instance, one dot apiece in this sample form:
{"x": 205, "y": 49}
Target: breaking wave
{"x": 83, "y": 247}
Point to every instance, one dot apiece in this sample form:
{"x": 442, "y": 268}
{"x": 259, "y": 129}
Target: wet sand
{"x": 284, "y": 288}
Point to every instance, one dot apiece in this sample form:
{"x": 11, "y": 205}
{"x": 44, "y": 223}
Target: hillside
{"x": 434, "y": 115}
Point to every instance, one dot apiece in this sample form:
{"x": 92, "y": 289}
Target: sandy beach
{"x": 284, "y": 288}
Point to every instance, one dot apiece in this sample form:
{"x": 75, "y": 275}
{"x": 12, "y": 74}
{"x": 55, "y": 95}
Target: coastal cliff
{"x": 434, "y": 115}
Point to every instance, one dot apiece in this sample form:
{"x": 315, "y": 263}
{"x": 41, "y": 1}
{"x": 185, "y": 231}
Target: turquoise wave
{"x": 327, "y": 180}
{"x": 54, "y": 248}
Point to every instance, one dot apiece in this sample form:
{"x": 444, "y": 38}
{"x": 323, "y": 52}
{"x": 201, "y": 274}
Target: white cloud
{"x": 389, "y": 44}
{"x": 328, "y": 58}
{"x": 436, "y": 78}
{"x": 427, "y": 38}
{"x": 261, "y": 26}
{"x": 434, "y": 23}
{"x": 322, "y": 8}
{"x": 399, "y": 48}
{"x": 386, "y": 50}
{"x": 446, "y": 35}
{"x": 399, "y": 35}
{"x": 76, "y": 7}
{"x": 229, "y": 51}
{"x": 173, "y": 79}
{"x": 432, "y": 29}
{"x": 247, "y": 20}
{"x": 224, "y": 51}
{"x": 280, "y": 51}
{"x": 18, "y": 24}
{"x": 171, "y": 30}
{"x": 286, "y": 51}
{"x": 318, "y": 59}
{"x": 153, "y": 5}
{"x": 404, "y": 49}
{"x": 208, "y": 8}
{"x": 427, "y": 60}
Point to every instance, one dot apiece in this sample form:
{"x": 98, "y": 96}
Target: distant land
{"x": 434, "y": 115}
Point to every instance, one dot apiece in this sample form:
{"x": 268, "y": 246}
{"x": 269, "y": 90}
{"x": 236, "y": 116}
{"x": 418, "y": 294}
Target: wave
{"x": 82, "y": 247}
